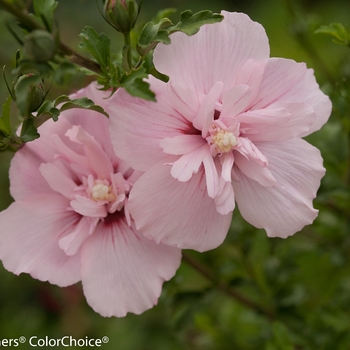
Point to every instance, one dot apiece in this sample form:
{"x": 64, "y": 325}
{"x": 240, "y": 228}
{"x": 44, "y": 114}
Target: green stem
{"x": 31, "y": 24}
{"x": 127, "y": 41}
{"x": 223, "y": 287}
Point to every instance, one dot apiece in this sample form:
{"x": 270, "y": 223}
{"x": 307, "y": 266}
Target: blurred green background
{"x": 304, "y": 280}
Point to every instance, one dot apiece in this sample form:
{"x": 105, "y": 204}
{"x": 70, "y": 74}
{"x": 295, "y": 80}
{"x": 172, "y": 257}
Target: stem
{"x": 222, "y": 286}
{"x": 31, "y": 24}
{"x": 127, "y": 41}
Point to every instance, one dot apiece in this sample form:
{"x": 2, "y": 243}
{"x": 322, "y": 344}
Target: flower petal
{"x": 98, "y": 160}
{"x": 188, "y": 164}
{"x": 288, "y": 81}
{"x": 180, "y": 214}
{"x": 286, "y": 209}
{"x": 58, "y": 180}
{"x": 137, "y": 126}
{"x": 123, "y": 271}
{"x": 182, "y": 144}
{"x": 29, "y": 233}
{"x": 205, "y": 114}
{"x": 87, "y": 207}
{"x": 216, "y": 53}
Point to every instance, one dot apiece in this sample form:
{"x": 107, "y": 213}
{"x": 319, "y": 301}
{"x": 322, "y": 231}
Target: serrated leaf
{"x": 134, "y": 84}
{"x": 5, "y": 124}
{"x": 338, "y": 31}
{"x": 97, "y": 45}
{"x": 44, "y": 9}
{"x": 84, "y": 103}
{"x": 29, "y": 132}
{"x": 190, "y": 23}
{"x": 152, "y": 34}
{"x": 62, "y": 71}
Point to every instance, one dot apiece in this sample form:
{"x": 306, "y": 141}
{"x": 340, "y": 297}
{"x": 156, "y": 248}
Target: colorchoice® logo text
{"x": 65, "y": 341}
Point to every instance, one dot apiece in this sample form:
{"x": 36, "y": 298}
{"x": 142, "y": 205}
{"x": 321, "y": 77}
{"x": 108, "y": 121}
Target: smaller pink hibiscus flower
{"x": 70, "y": 220}
{"x": 226, "y": 128}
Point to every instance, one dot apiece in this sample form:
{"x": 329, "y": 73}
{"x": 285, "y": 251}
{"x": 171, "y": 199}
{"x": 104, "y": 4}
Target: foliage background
{"x": 303, "y": 282}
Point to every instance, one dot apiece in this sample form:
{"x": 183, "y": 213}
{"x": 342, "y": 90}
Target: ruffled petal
{"x": 87, "y": 207}
{"x": 176, "y": 213}
{"x": 30, "y": 230}
{"x": 98, "y": 160}
{"x": 205, "y": 115}
{"x": 287, "y": 81}
{"x": 225, "y": 200}
{"x": 189, "y": 164}
{"x": 255, "y": 171}
{"x": 285, "y": 209}
{"x": 182, "y": 144}
{"x": 137, "y": 126}
{"x": 216, "y": 53}
{"x": 123, "y": 271}
{"x": 58, "y": 180}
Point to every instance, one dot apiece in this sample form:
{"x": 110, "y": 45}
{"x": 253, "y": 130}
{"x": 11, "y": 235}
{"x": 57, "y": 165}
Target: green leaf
{"x": 134, "y": 84}
{"x": 52, "y": 109}
{"x": 45, "y": 9}
{"x": 84, "y": 103}
{"x": 97, "y": 45}
{"x": 5, "y": 125}
{"x": 190, "y": 23}
{"x": 29, "y": 132}
{"x": 338, "y": 31}
{"x": 63, "y": 71}
{"x": 152, "y": 34}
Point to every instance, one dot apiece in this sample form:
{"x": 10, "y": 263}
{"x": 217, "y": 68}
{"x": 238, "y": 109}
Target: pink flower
{"x": 70, "y": 220}
{"x": 226, "y": 128}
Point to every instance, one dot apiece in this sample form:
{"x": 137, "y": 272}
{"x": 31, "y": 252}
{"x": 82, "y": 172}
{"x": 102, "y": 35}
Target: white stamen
{"x": 223, "y": 140}
{"x": 101, "y": 192}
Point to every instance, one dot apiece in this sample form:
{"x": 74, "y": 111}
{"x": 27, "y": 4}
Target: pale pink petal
{"x": 286, "y": 209}
{"x": 255, "y": 171}
{"x": 30, "y": 230}
{"x": 181, "y": 214}
{"x": 186, "y": 101}
{"x": 124, "y": 272}
{"x": 72, "y": 242}
{"x": 235, "y": 101}
{"x": 211, "y": 175}
{"x": 137, "y": 126}
{"x": 182, "y": 144}
{"x": 226, "y": 161}
{"x": 98, "y": 160}
{"x": 24, "y": 173}
{"x": 205, "y": 114}
{"x": 288, "y": 81}
{"x": 294, "y": 120}
{"x": 216, "y": 53}
{"x": 58, "y": 180}
{"x": 251, "y": 74}
{"x": 189, "y": 163}
{"x": 87, "y": 207}
{"x": 225, "y": 200}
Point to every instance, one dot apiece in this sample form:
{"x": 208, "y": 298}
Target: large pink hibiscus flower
{"x": 70, "y": 220}
{"x": 226, "y": 128}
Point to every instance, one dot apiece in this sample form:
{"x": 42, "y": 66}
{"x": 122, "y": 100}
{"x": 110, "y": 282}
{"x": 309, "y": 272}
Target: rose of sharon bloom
{"x": 226, "y": 128}
{"x": 70, "y": 220}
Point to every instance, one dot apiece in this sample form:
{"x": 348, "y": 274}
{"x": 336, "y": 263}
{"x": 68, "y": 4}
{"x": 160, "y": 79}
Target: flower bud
{"x": 29, "y": 95}
{"x": 121, "y": 14}
{"x": 40, "y": 46}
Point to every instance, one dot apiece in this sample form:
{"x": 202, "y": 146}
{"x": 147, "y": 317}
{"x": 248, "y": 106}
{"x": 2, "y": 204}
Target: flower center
{"x": 223, "y": 140}
{"x": 102, "y": 192}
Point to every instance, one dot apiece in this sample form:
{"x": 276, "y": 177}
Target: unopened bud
{"x": 121, "y": 14}
{"x": 29, "y": 96}
{"x": 40, "y": 46}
